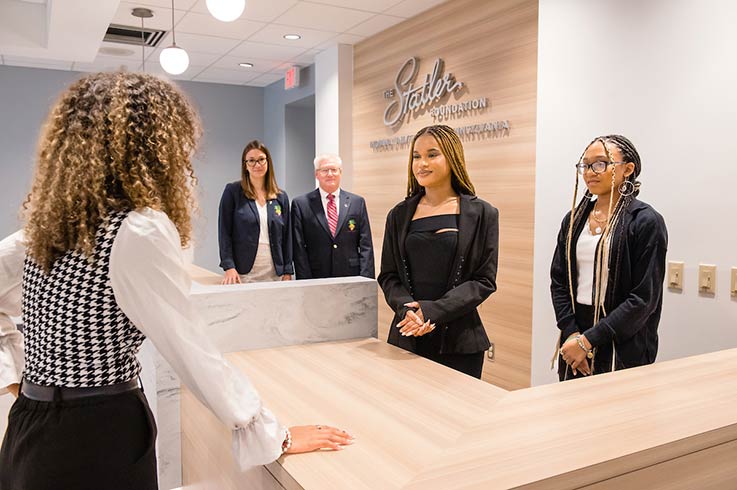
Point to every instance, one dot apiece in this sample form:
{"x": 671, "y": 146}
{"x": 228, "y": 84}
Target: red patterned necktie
{"x": 332, "y": 214}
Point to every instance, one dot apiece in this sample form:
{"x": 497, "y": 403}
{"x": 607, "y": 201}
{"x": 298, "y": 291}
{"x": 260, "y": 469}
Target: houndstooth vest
{"x": 75, "y": 334}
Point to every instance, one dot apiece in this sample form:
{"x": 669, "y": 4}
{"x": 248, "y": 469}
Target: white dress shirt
{"x": 324, "y": 200}
{"x": 151, "y": 286}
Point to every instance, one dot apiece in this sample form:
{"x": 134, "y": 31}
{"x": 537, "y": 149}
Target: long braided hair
{"x": 604, "y": 259}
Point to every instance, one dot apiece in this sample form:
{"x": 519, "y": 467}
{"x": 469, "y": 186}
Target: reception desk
{"x": 242, "y": 317}
{"x": 420, "y": 426}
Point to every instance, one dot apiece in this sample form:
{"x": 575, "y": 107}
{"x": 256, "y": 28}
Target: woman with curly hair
{"x": 99, "y": 268}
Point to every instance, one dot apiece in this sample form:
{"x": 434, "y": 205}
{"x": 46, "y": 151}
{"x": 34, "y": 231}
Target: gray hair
{"x": 327, "y": 157}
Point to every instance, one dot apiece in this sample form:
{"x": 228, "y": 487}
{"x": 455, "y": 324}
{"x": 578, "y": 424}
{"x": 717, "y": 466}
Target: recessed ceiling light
{"x": 292, "y": 37}
{"x": 246, "y": 65}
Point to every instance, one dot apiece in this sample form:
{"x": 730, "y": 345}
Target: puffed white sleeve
{"x": 12, "y": 255}
{"x": 151, "y": 285}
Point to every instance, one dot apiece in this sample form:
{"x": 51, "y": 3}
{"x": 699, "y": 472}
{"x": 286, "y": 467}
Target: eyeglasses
{"x": 327, "y": 171}
{"x": 596, "y": 167}
{"x": 260, "y": 162}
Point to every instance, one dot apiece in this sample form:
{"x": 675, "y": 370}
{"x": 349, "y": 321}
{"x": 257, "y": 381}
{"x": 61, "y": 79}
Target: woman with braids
{"x": 97, "y": 269}
{"x": 439, "y": 258}
{"x": 608, "y": 268}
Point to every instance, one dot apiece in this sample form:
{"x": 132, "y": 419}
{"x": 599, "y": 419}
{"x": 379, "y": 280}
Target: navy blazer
{"x": 317, "y": 253}
{"x": 472, "y": 280}
{"x": 239, "y": 230}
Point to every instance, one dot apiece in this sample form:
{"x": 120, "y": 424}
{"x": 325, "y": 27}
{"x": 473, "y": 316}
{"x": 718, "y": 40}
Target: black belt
{"x": 56, "y": 393}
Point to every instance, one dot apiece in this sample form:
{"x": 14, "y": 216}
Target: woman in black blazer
{"x": 254, "y": 232}
{"x": 439, "y": 257}
{"x": 608, "y": 268}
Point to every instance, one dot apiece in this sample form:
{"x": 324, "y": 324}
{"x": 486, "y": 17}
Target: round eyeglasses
{"x": 259, "y": 161}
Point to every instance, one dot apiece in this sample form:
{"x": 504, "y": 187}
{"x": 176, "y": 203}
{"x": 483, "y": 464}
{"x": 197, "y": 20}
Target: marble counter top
{"x": 242, "y": 317}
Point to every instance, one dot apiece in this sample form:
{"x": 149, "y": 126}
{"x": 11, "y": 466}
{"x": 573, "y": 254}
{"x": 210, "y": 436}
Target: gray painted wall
{"x": 275, "y": 101}
{"x": 299, "y": 125}
{"x": 231, "y": 115}
{"x": 26, "y": 95}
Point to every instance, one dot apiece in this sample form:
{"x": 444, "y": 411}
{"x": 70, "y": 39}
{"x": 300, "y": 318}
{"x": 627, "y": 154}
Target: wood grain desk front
{"x": 421, "y": 426}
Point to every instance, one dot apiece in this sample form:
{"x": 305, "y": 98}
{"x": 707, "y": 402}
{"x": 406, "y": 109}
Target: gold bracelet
{"x": 589, "y": 352}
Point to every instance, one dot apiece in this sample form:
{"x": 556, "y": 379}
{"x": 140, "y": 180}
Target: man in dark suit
{"x": 331, "y": 231}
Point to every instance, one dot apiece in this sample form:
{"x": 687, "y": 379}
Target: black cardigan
{"x": 472, "y": 280}
{"x": 634, "y": 295}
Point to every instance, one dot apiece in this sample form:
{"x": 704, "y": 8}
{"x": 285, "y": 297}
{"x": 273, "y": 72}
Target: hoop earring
{"x": 626, "y": 188}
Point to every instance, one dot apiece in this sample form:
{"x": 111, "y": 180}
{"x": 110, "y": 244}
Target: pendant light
{"x": 174, "y": 60}
{"x": 226, "y": 10}
{"x": 142, "y": 13}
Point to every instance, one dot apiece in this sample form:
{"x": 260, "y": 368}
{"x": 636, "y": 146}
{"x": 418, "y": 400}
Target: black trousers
{"x": 470, "y": 364}
{"x": 602, "y": 361}
{"x": 95, "y": 443}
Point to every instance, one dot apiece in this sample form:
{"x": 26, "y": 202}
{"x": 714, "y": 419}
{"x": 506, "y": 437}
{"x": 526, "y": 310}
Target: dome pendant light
{"x": 226, "y": 10}
{"x": 174, "y": 60}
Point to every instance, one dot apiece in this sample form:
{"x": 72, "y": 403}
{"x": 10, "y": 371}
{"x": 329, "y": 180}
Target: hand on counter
{"x": 414, "y": 323}
{"x": 231, "y": 277}
{"x": 286, "y": 277}
{"x": 575, "y": 357}
{"x": 307, "y": 438}
{"x": 13, "y": 389}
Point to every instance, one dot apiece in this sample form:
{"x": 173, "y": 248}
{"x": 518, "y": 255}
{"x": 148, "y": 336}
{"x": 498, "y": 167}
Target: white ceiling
{"x": 67, "y": 34}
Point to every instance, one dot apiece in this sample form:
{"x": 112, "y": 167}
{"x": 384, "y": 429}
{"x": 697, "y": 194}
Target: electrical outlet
{"x": 707, "y": 279}
{"x": 675, "y": 275}
{"x": 733, "y": 285}
{"x": 490, "y": 352}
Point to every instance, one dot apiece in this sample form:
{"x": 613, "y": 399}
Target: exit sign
{"x": 291, "y": 78}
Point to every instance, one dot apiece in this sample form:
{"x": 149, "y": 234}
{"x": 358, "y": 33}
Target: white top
{"x": 151, "y": 286}
{"x": 324, "y": 200}
{"x": 585, "y": 255}
{"x": 263, "y": 222}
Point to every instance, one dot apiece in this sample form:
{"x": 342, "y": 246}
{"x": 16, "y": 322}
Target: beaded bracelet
{"x": 287, "y": 443}
{"x": 589, "y": 352}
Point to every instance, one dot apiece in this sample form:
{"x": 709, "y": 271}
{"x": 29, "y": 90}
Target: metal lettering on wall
{"x": 408, "y": 100}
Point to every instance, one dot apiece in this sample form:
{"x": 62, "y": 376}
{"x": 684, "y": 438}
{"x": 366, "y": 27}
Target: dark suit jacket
{"x": 634, "y": 294}
{"x": 472, "y": 280}
{"x": 317, "y": 253}
{"x": 239, "y": 229}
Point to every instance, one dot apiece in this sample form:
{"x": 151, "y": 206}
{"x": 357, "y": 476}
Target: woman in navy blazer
{"x": 254, "y": 232}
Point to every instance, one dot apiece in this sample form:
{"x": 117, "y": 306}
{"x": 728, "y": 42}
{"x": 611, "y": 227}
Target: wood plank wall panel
{"x": 491, "y": 46}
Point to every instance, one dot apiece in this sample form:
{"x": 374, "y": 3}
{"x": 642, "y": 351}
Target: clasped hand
{"x": 575, "y": 356}
{"x": 414, "y": 324}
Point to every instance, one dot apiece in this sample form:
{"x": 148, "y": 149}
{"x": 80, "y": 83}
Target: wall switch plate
{"x": 490, "y": 352}
{"x": 675, "y": 275}
{"x": 707, "y": 279}
{"x": 733, "y": 285}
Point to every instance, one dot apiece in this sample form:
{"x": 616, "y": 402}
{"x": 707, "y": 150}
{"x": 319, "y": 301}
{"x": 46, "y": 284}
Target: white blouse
{"x": 585, "y": 255}
{"x": 151, "y": 285}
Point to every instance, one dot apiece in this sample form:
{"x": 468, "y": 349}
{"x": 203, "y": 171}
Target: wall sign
{"x": 408, "y": 99}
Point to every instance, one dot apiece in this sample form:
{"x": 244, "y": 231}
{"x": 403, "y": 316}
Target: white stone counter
{"x": 255, "y": 316}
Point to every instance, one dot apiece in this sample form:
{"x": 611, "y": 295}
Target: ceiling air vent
{"x": 133, "y": 35}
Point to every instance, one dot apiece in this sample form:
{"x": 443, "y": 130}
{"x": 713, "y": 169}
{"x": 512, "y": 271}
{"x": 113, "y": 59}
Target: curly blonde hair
{"x": 113, "y": 142}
